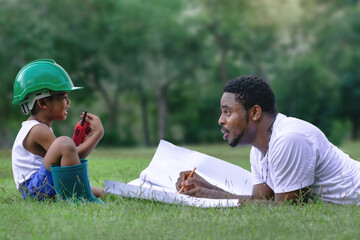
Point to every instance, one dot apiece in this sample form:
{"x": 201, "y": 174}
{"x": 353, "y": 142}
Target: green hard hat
{"x": 39, "y": 76}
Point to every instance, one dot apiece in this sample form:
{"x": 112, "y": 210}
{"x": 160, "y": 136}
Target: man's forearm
{"x": 219, "y": 193}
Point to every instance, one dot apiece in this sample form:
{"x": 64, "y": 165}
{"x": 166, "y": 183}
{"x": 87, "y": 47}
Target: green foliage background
{"x": 155, "y": 69}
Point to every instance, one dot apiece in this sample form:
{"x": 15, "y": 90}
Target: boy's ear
{"x": 41, "y": 103}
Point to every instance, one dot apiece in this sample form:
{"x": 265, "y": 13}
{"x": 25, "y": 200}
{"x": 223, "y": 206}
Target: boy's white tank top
{"x": 24, "y": 163}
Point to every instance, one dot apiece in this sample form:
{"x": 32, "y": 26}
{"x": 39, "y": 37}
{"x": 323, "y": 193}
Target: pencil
{"x": 191, "y": 174}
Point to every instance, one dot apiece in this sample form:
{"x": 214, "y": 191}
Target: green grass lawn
{"x": 123, "y": 218}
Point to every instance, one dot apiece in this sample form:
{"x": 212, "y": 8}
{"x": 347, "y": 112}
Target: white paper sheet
{"x": 163, "y": 171}
{"x": 164, "y": 195}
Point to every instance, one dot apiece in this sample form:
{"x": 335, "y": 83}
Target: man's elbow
{"x": 294, "y": 197}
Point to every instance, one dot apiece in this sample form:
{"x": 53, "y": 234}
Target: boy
{"x": 41, "y": 88}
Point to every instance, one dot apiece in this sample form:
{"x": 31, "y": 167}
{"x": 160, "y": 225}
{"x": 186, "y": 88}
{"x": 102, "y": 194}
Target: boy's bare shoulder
{"x": 41, "y": 129}
{"x": 40, "y": 137}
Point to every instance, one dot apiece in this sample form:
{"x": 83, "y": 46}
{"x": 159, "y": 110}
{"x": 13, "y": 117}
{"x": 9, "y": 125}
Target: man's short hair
{"x": 252, "y": 90}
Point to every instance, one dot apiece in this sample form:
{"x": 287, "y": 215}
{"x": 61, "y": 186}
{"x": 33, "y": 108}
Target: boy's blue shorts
{"x": 39, "y": 185}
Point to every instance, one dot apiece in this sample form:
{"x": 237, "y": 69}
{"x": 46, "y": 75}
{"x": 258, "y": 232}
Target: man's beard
{"x": 236, "y": 141}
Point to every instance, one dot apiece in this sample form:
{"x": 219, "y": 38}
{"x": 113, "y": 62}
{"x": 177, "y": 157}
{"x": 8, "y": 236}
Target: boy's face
{"x": 58, "y": 105}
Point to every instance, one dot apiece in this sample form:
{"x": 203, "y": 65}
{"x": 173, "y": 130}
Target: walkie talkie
{"x": 82, "y": 130}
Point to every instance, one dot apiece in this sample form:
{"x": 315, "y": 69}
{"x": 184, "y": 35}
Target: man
{"x": 290, "y": 158}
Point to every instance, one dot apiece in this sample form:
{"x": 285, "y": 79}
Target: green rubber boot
{"x": 72, "y": 182}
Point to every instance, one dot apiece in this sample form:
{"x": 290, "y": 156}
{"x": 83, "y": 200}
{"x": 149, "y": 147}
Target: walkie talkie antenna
{"x": 83, "y": 120}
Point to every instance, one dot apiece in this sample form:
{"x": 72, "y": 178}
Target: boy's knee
{"x": 64, "y": 143}
{"x": 61, "y": 152}
{"x": 64, "y": 139}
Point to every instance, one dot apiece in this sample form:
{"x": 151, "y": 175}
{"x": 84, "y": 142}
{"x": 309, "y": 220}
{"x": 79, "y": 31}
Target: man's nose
{"x": 221, "y": 120}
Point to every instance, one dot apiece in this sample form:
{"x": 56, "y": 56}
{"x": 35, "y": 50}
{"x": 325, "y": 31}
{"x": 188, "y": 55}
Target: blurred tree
{"x": 248, "y": 35}
{"x": 339, "y": 41}
{"x": 229, "y": 25}
{"x": 98, "y": 44}
{"x": 23, "y": 37}
{"x": 307, "y": 90}
{"x": 304, "y": 67}
{"x": 242, "y": 38}
{"x": 169, "y": 56}
{"x": 160, "y": 67}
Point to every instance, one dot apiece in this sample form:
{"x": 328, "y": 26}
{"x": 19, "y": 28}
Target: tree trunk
{"x": 254, "y": 56}
{"x": 4, "y": 142}
{"x": 162, "y": 111}
{"x": 111, "y": 105}
{"x": 258, "y": 64}
{"x": 222, "y": 43}
{"x": 355, "y": 129}
{"x": 223, "y": 65}
{"x": 144, "y": 117}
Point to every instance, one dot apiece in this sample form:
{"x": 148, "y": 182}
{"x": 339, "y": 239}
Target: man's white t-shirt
{"x": 24, "y": 163}
{"x": 299, "y": 156}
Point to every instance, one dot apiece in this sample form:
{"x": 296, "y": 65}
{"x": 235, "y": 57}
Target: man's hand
{"x": 195, "y": 181}
{"x": 197, "y": 186}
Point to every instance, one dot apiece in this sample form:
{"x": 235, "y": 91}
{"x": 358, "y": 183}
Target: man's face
{"x": 234, "y": 120}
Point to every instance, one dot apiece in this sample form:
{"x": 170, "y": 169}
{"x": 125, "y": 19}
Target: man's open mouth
{"x": 225, "y": 132}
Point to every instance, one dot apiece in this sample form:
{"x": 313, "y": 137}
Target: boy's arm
{"x": 90, "y": 143}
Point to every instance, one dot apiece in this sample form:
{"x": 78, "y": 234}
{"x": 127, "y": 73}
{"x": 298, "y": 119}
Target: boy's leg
{"x": 97, "y": 191}
{"x": 61, "y": 152}
{"x": 39, "y": 185}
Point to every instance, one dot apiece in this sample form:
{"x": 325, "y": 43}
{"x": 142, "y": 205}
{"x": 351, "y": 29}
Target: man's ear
{"x": 255, "y": 113}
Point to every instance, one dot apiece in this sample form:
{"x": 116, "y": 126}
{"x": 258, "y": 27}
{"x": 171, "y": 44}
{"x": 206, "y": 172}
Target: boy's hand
{"x": 95, "y": 124}
{"x": 88, "y": 131}
{"x": 89, "y": 144}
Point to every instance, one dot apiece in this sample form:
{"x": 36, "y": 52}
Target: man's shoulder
{"x": 284, "y": 124}
{"x": 297, "y": 130}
